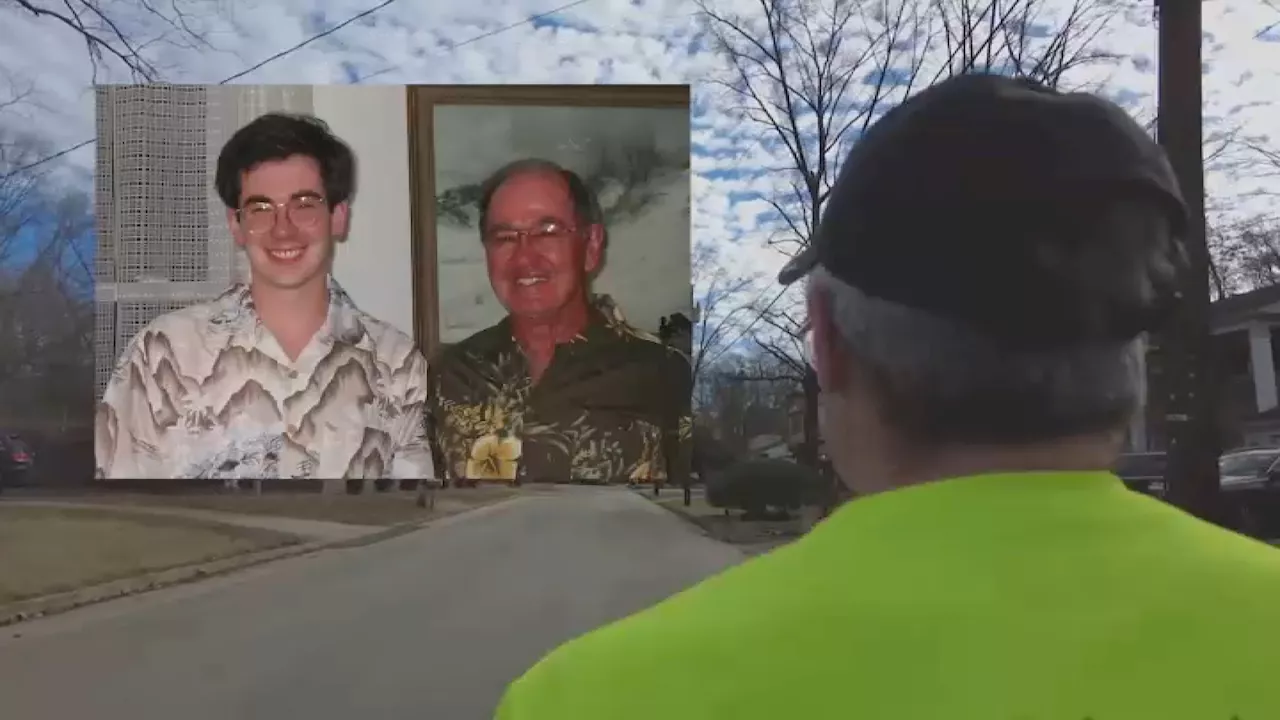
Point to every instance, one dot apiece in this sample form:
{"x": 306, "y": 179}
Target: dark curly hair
{"x": 276, "y": 136}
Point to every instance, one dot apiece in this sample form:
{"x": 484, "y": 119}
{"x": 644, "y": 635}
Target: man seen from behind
{"x": 989, "y": 259}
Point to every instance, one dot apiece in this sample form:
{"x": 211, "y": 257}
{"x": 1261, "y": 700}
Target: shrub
{"x": 759, "y": 486}
{"x": 710, "y": 456}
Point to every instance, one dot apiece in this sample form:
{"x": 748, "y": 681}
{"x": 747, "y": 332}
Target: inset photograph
{"x": 559, "y": 226}
{"x": 254, "y": 295}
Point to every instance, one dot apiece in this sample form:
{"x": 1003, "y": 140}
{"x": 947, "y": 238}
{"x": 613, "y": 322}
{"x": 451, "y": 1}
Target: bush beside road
{"x": 753, "y": 536}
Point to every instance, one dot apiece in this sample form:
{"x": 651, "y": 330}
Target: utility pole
{"x": 1189, "y": 407}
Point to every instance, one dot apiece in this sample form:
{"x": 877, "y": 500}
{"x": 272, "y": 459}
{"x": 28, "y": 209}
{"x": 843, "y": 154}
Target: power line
{"x": 47, "y": 158}
{"x": 482, "y": 36}
{"x": 324, "y": 33}
{"x": 526, "y": 21}
{"x": 308, "y": 41}
{"x": 283, "y": 53}
{"x": 747, "y": 329}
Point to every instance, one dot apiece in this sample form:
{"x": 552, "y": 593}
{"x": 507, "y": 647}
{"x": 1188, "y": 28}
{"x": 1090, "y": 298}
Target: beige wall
{"x": 374, "y": 264}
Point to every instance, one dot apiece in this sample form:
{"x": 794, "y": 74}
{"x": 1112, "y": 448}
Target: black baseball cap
{"x": 922, "y": 210}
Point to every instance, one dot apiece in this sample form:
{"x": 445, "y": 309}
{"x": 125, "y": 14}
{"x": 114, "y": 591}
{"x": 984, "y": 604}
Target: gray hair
{"x": 942, "y": 381}
{"x": 585, "y": 204}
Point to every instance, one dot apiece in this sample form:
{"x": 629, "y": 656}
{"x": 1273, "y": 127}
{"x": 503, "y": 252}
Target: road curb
{"x": 686, "y": 517}
{"x": 750, "y": 549}
{"x": 58, "y": 603}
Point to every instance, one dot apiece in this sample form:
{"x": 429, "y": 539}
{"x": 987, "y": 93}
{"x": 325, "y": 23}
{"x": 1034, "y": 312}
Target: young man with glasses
{"x": 282, "y": 378}
{"x": 563, "y": 388}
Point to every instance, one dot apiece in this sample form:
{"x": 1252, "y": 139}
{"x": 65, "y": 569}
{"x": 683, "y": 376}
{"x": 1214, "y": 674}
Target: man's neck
{"x": 539, "y": 337}
{"x": 292, "y": 315}
{"x": 1083, "y": 454}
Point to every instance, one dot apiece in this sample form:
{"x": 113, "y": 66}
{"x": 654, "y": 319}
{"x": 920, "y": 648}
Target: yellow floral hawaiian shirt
{"x": 206, "y": 392}
{"x": 613, "y": 407}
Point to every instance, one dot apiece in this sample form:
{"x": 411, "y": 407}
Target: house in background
{"x": 1245, "y": 361}
{"x": 771, "y": 447}
{"x": 1243, "y": 354}
{"x": 795, "y": 419}
{"x": 795, "y": 425}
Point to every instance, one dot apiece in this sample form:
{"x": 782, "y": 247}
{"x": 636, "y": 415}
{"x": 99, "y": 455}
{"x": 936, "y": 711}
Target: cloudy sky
{"x": 590, "y": 41}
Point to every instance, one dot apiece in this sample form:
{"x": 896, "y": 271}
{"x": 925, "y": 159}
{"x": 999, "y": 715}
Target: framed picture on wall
{"x": 553, "y": 285}
{"x": 630, "y": 144}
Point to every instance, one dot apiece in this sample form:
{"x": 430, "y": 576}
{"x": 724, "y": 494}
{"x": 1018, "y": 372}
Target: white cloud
{"x": 618, "y": 41}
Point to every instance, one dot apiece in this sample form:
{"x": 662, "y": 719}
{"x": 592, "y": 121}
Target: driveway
{"x": 432, "y": 624}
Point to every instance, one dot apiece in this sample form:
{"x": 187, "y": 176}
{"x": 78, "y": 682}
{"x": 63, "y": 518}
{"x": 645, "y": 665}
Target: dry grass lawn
{"x": 52, "y": 550}
{"x": 754, "y": 535}
{"x": 378, "y": 509}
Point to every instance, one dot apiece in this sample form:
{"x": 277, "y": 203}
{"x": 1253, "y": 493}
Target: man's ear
{"x": 233, "y": 222}
{"x": 595, "y": 248}
{"x": 339, "y": 220}
{"x": 829, "y": 357}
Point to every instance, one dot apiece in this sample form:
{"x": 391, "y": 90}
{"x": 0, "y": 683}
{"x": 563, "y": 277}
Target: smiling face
{"x": 284, "y": 224}
{"x": 539, "y": 254}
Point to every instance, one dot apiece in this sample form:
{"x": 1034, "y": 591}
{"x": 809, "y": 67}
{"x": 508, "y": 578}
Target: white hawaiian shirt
{"x": 207, "y": 392}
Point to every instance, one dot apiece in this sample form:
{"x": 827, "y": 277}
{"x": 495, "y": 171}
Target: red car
{"x": 16, "y": 460}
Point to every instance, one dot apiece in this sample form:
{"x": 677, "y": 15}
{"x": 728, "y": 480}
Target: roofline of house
{"x": 1244, "y": 307}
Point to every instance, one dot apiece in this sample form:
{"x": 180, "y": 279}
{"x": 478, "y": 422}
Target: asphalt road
{"x": 430, "y": 625}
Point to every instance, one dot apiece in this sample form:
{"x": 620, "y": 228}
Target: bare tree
{"x": 1005, "y": 36}
{"x": 812, "y": 75}
{"x": 719, "y": 310}
{"x": 46, "y": 304}
{"x": 1263, "y": 157}
{"x": 47, "y": 359}
{"x": 750, "y": 394}
{"x": 18, "y": 206}
{"x": 125, "y": 32}
{"x": 1229, "y": 150}
{"x": 781, "y": 338}
{"x": 46, "y": 300}
{"x": 1245, "y": 255}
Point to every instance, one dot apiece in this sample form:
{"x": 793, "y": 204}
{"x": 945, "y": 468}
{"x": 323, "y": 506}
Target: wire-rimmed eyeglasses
{"x": 541, "y": 232}
{"x": 260, "y": 215}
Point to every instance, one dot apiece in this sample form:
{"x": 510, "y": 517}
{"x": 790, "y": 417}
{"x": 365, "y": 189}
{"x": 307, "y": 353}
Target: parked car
{"x": 1251, "y": 488}
{"x": 16, "y": 460}
{"x": 1143, "y": 472}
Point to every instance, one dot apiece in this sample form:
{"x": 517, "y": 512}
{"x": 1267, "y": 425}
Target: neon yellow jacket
{"x": 1037, "y": 596}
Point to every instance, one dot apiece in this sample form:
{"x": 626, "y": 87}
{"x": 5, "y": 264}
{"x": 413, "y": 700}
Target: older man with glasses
{"x": 563, "y": 388}
{"x": 282, "y": 378}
